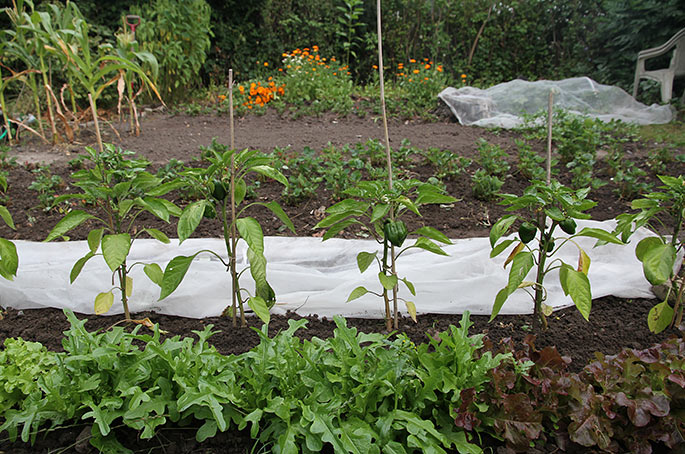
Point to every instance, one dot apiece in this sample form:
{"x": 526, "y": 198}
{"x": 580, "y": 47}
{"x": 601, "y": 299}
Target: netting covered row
{"x": 503, "y": 105}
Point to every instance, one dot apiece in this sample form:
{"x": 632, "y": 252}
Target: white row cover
{"x": 502, "y": 105}
{"x": 313, "y": 277}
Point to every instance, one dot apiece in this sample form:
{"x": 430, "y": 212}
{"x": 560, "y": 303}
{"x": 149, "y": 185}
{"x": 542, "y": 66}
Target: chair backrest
{"x": 678, "y": 60}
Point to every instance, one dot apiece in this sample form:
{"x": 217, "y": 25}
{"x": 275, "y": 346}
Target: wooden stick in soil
{"x": 549, "y": 137}
{"x": 95, "y": 121}
{"x": 389, "y": 163}
{"x": 234, "y": 235}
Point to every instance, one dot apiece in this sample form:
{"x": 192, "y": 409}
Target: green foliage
{"x": 46, "y": 185}
{"x": 349, "y": 21}
{"x": 316, "y": 84}
{"x": 492, "y": 159}
{"x": 623, "y": 29}
{"x": 121, "y": 189}
{"x": 658, "y": 254}
{"x": 531, "y": 165}
{"x": 447, "y": 165}
{"x": 21, "y": 362}
{"x": 485, "y": 186}
{"x": 178, "y": 34}
{"x": 545, "y": 207}
{"x": 354, "y": 391}
{"x": 223, "y": 188}
{"x": 378, "y": 210}
{"x": 9, "y": 260}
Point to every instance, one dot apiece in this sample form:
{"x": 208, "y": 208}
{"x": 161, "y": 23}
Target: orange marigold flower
{"x": 416, "y": 71}
{"x": 463, "y": 76}
{"x": 333, "y": 59}
{"x": 305, "y": 53}
{"x": 427, "y": 66}
{"x": 439, "y": 68}
{"x": 241, "y": 89}
{"x": 280, "y": 69}
{"x": 315, "y": 48}
{"x": 412, "y": 61}
{"x": 270, "y": 78}
{"x": 375, "y": 66}
{"x": 221, "y": 97}
{"x": 266, "y": 63}
{"x": 317, "y": 58}
{"x": 288, "y": 66}
{"x": 335, "y": 74}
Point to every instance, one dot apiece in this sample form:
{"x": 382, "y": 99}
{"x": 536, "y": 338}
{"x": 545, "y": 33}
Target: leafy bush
{"x": 178, "y": 34}
{"x": 316, "y": 83}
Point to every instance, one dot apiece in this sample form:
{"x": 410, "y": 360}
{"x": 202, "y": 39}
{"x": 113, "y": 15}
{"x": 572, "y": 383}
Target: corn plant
{"x": 92, "y": 71}
{"x": 659, "y": 253}
{"x": 546, "y": 207}
{"x": 128, "y": 49}
{"x": 371, "y": 206}
{"x": 117, "y": 190}
{"x": 223, "y": 188}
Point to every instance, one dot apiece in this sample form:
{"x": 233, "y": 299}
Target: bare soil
{"x": 614, "y": 323}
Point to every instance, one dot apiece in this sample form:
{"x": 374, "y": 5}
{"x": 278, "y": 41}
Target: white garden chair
{"x": 663, "y": 76}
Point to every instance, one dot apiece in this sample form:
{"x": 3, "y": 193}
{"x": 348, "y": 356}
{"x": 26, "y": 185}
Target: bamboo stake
{"x": 234, "y": 235}
{"x": 95, "y": 120}
{"x": 549, "y": 137}
{"x": 381, "y": 79}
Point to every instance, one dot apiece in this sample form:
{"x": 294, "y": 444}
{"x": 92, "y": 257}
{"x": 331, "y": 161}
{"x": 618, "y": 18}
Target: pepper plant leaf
{"x": 72, "y": 220}
{"x": 115, "y": 249}
{"x": 364, "y": 260}
{"x": 577, "y": 285}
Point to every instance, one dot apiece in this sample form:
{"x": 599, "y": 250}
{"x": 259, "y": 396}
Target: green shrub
{"x": 177, "y": 33}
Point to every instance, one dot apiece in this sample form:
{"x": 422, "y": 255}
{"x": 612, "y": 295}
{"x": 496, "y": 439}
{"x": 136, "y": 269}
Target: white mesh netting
{"x": 503, "y": 105}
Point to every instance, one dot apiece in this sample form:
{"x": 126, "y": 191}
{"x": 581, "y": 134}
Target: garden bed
{"x": 614, "y": 323}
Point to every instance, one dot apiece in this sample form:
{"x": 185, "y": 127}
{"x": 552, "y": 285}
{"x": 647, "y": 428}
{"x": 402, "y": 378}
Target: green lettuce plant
{"x": 379, "y": 209}
{"x": 543, "y": 208}
{"x": 223, "y": 187}
{"x": 659, "y": 253}
{"x": 116, "y": 191}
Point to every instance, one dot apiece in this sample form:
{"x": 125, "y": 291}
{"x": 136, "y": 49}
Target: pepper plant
{"x": 379, "y": 209}
{"x": 223, "y": 188}
{"x": 117, "y": 191}
{"x": 9, "y": 260}
{"x": 544, "y": 208}
{"x": 659, "y": 253}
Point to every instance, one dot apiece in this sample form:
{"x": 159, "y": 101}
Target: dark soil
{"x": 614, "y": 323}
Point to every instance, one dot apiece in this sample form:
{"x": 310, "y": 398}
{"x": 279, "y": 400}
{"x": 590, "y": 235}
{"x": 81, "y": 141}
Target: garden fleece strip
{"x": 313, "y": 277}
